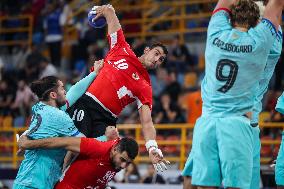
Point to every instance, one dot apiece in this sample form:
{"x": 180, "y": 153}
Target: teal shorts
{"x": 255, "y": 181}
{"x": 187, "y": 170}
{"x": 279, "y": 169}
{"x": 223, "y": 152}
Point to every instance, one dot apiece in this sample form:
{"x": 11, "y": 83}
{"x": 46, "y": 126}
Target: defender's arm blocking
{"x": 68, "y": 143}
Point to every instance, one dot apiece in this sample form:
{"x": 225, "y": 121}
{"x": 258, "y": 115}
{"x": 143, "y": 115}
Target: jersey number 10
{"x": 230, "y": 78}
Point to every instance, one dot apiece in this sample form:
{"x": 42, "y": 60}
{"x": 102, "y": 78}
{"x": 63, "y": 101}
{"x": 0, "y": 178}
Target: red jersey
{"x": 92, "y": 169}
{"x": 122, "y": 80}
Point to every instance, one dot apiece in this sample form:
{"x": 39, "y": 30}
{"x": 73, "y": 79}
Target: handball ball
{"x": 99, "y": 22}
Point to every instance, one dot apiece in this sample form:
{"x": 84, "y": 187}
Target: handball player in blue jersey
{"x": 266, "y": 75}
{"x": 236, "y": 54}
{"x": 279, "y": 169}
{"x": 272, "y": 60}
{"x": 42, "y": 168}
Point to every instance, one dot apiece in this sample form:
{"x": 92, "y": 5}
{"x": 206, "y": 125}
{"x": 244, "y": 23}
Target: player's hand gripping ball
{"x": 96, "y": 23}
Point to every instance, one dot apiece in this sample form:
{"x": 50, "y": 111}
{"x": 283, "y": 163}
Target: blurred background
{"x": 32, "y": 47}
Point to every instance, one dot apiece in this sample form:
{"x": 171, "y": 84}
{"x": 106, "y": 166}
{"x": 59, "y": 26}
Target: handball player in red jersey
{"x": 123, "y": 80}
{"x": 97, "y": 162}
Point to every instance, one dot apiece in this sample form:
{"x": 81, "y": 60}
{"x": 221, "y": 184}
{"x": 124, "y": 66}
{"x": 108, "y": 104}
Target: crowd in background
{"x": 176, "y": 84}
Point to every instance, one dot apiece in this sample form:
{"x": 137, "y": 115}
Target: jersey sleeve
{"x": 219, "y": 21}
{"x": 280, "y": 104}
{"x": 117, "y": 39}
{"x": 144, "y": 97}
{"x": 91, "y": 147}
{"x": 276, "y": 49}
{"x": 264, "y": 34}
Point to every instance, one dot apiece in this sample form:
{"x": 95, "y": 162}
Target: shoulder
{"x": 263, "y": 29}
{"x": 89, "y": 144}
{"x": 59, "y": 115}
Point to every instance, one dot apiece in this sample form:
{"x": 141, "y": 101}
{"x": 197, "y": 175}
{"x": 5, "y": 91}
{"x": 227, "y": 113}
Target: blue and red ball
{"x": 99, "y": 22}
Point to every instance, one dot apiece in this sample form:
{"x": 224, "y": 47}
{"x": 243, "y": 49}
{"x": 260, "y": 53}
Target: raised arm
{"x": 224, "y": 4}
{"x": 77, "y": 90}
{"x": 68, "y": 143}
{"x": 109, "y": 13}
{"x": 273, "y": 12}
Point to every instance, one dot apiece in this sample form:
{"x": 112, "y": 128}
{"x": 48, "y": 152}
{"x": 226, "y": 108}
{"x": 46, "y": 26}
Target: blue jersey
{"x": 234, "y": 63}
{"x": 280, "y": 104}
{"x": 41, "y": 168}
{"x": 272, "y": 60}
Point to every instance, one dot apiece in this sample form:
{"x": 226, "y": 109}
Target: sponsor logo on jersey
{"x": 135, "y": 76}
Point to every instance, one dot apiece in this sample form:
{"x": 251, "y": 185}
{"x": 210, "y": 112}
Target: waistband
{"x": 101, "y": 104}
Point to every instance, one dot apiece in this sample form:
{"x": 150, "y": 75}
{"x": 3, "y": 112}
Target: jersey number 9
{"x": 230, "y": 78}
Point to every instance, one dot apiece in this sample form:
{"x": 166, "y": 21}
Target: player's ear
{"x": 53, "y": 95}
{"x": 146, "y": 50}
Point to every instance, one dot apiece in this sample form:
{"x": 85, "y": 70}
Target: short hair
{"x": 128, "y": 145}
{"x": 158, "y": 44}
{"x": 245, "y": 13}
{"x": 44, "y": 86}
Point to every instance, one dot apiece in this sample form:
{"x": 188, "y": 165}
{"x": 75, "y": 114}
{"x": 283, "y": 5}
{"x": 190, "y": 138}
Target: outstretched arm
{"x": 68, "y": 143}
{"x": 109, "y": 13}
{"x": 148, "y": 128}
{"x": 273, "y": 12}
{"x": 149, "y": 132}
{"x": 77, "y": 90}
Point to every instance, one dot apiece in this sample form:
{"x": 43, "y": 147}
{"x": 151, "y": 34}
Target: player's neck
{"x": 241, "y": 28}
{"x": 141, "y": 59}
{"x": 50, "y": 103}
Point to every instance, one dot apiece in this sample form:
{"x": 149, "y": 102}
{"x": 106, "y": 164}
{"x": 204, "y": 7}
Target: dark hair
{"x": 245, "y": 13}
{"x": 129, "y": 145}
{"x": 158, "y": 44}
{"x": 44, "y": 86}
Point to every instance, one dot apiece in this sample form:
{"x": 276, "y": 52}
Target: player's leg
{"x": 187, "y": 183}
{"x": 187, "y": 173}
{"x": 235, "y": 144}
{"x": 279, "y": 168}
{"x": 256, "y": 159}
{"x": 81, "y": 116}
{"x": 99, "y": 128}
{"x": 206, "y": 167}
{"x": 101, "y": 119}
